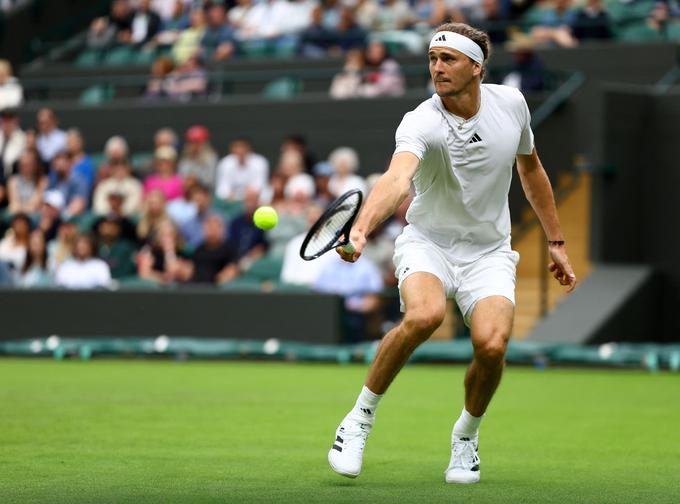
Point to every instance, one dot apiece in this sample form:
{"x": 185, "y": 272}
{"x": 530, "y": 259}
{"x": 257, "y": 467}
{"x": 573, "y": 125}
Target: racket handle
{"x": 349, "y": 248}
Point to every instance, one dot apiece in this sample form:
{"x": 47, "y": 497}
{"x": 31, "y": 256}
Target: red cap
{"x": 197, "y": 134}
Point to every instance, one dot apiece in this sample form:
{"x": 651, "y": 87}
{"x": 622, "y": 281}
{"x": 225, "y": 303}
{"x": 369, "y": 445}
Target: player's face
{"x": 452, "y": 72}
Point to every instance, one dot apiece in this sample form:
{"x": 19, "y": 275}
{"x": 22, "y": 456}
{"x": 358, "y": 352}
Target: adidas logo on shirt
{"x": 475, "y": 138}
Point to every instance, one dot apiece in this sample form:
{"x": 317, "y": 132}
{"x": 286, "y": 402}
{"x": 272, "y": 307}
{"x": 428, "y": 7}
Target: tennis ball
{"x": 265, "y": 218}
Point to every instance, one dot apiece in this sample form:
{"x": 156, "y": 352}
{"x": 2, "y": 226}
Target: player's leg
{"x": 490, "y": 326}
{"x": 486, "y": 296}
{"x": 424, "y": 298}
{"x": 425, "y": 301}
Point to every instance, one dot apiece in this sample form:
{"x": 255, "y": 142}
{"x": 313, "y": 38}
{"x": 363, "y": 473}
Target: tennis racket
{"x": 331, "y": 230}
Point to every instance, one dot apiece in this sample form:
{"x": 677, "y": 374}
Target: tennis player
{"x": 458, "y": 149}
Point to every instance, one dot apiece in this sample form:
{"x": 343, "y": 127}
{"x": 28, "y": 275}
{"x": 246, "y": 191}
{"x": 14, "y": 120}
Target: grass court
{"x": 140, "y": 431}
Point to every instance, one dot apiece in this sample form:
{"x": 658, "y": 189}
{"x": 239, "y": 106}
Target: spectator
{"x": 528, "y": 72}
{"x": 554, "y": 26}
{"x": 50, "y": 138}
{"x": 383, "y": 75}
{"x": 128, "y": 228}
{"x": 115, "y": 150}
{"x": 214, "y": 261}
{"x": 14, "y": 245}
{"x": 192, "y": 228}
{"x": 154, "y": 215}
{"x": 331, "y": 30}
{"x": 217, "y": 43}
{"x": 116, "y": 28}
{"x": 49, "y": 219}
{"x": 394, "y": 15}
{"x": 297, "y": 271}
{"x": 188, "y": 43}
{"x": 11, "y": 92}
{"x": 187, "y": 81}
{"x": 165, "y": 179}
{"x": 345, "y": 162}
{"x": 322, "y": 174}
{"x": 655, "y": 27}
{"x": 25, "y": 189}
{"x": 493, "y": 21}
{"x": 82, "y": 163}
{"x": 164, "y": 261}
{"x": 84, "y": 270}
{"x": 167, "y": 9}
{"x": 62, "y": 248}
{"x": 122, "y": 183}
{"x": 241, "y": 169}
{"x": 347, "y": 84}
{"x": 360, "y": 284}
{"x": 592, "y": 22}
{"x": 298, "y": 194}
{"x": 115, "y": 250}
{"x": 165, "y": 136}
{"x": 367, "y": 14}
{"x": 34, "y": 272}
{"x": 157, "y": 86}
{"x": 198, "y": 163}
{"x": 298, "y": 143}
{"x": 12, "y": 142}
{"x": 247, "y": 240}
{"x": 71, "y": 186}
{"x": 145, "y": 23}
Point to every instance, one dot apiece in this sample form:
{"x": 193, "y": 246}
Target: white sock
{"x": 467, "y": 425}
{"x": 366, "y": 404}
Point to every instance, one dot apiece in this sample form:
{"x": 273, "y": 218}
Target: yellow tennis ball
{"x": 265, "y": 218}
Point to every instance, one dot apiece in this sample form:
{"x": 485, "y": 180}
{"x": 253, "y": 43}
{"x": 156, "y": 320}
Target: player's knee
{"x": 492, "y": 350}
{"x": 422, "y": 323}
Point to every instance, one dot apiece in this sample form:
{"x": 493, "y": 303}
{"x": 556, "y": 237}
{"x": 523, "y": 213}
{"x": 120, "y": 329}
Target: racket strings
{"x": 329, "y": 232}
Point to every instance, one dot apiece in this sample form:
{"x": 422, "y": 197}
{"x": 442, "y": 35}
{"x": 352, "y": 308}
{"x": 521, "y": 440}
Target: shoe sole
{"x": 468, "y": 482}
{"x": 339, "y": 471}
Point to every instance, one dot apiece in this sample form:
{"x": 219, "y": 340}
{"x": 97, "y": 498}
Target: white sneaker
{"x": 464, "y": 464}
{"x": 347, "y": 452}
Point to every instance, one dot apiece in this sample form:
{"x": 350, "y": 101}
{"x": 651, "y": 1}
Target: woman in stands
{"x": 35, "y": 272}
{"x": 25, "y": 189}
{"x": 164, "y": 261}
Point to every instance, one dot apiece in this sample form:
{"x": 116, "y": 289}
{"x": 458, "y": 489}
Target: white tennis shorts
{"x": 493, "y": 274}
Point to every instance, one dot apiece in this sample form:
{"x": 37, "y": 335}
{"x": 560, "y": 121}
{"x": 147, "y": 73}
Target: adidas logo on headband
{"x": 441, "y": 39}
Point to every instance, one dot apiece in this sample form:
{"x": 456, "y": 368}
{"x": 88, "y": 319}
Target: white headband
{"x": 459, "y": 43}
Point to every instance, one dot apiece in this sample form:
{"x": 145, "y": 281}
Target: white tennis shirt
{"x": 463, "y": 179}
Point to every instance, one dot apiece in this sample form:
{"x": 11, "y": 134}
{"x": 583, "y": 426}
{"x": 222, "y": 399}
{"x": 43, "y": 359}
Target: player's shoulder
{"x": 504, "y": 94}
{"x": 424, "y": 117}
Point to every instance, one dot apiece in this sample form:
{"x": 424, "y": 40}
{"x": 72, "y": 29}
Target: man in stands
{"x": 72, "y": 186}
{"x": 214, "y": 261}
{"x": 51, "y": 139}
{"x": 241, "y": 169}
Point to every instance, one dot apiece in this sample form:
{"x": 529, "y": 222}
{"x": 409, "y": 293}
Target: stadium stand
{"x": 215, "y": 73}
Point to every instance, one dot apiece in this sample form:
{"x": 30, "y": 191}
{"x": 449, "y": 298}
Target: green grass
{"x": 152, "y": 431}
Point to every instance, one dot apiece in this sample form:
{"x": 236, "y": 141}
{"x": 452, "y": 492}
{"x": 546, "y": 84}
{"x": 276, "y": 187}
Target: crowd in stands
{"x": 185, "y": 217}
{"x": 216, "y": 30}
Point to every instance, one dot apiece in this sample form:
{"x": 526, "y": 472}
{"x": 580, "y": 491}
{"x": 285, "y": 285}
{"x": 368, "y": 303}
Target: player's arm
{"x": 391, "y": 189}
{"x": 539, "y": 192}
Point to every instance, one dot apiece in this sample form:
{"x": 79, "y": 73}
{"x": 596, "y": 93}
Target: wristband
{"x": 556, "y": 243}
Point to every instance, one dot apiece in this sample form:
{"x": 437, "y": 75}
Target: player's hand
{"x": 560, "y": 267}
{"x": 358, "y": 240}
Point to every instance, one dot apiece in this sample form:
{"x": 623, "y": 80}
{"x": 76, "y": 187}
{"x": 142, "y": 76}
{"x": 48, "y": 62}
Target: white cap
{"x": 300, "y": 183}
{"x": 54, "y": 199}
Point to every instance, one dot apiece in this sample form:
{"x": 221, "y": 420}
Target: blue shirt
{"x": 244, "y": 236}
{"x": 353, "y": 281}
{"x": 70, "y": 188}
{"x": 85, "y": 168}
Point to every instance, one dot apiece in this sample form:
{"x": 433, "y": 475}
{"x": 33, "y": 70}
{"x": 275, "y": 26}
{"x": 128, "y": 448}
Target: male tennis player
{"x": 458, "y": 148}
